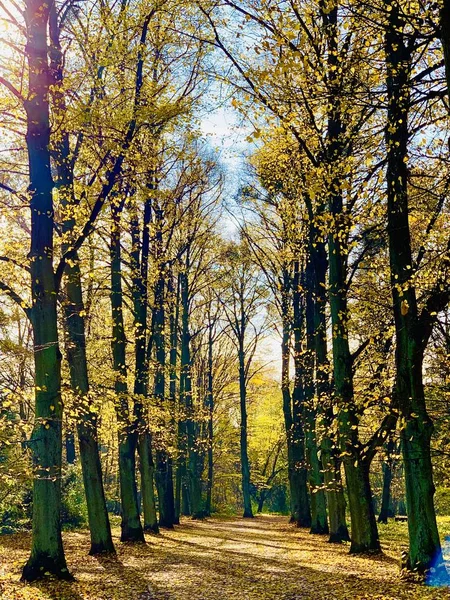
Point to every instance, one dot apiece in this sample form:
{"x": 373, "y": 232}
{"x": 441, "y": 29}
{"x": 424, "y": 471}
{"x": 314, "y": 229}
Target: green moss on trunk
{"x": 47, "y": 554}
{"x": 127, "y": 436}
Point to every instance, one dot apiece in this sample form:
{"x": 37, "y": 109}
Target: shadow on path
{"x": 260, "y": 559}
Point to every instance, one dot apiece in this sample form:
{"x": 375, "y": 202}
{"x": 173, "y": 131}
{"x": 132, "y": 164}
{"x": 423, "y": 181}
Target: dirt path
{"x": 260, "y": 559}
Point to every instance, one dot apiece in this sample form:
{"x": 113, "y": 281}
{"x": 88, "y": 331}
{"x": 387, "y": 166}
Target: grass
{"x": 394, "y": 536}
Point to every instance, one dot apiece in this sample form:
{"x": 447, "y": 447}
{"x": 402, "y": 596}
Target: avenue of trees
{"x": 142, "y": 299}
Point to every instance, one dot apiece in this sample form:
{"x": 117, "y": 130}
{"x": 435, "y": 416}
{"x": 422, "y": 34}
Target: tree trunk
{"x": 387, "y": 480}
{"x": 47, "y": 554}
{"x": 195, "y": 471}
{"x": 178, "y": 483}
{"x": 299, "y": 510}
{"x": 140, "y": 300}
{"x": 331, "y": 463}
{"x": 70, "y": 448}
{"x": 101, "y": 540}
{"x": 319, "y": 522}
{"x": 245, "y": 464}
{"x": 99, "y": 527}
{"x": 181, "y": 489}
{"x": 173, "y": 357}
{"x": 261, "y": 500}
{"x": 210, "y": 424}
{"x": 424, "y": 544}
{"x": 335, "y": 493}
{"x": 302, "y": 512}
{"x": 364, "y": 533}
{"x": 192, "y": 488}
{"x": 147, "y": 471}
{"x": 130, "y": 524}
{"x": 298, "y": 477}
{"x": 164, "y": 482}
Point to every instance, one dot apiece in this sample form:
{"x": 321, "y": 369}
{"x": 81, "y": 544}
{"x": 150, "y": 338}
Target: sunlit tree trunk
{"x": 193, "y": 497}
{"x": 297, "y": 474}
{"x": 47, "y": 554}
{"x": 164, "y": 480}
{"x": 364, "y": 533}
{"x": 182, "y": 500}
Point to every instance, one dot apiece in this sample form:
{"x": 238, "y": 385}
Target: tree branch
{"x": 17, "y": 299}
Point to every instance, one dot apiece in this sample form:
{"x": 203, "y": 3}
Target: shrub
{"x": 442, "y": 501}
{"x": 73, "y": 502}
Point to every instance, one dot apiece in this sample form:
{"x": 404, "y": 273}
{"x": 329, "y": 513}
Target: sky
{"x": 227, "y": 131}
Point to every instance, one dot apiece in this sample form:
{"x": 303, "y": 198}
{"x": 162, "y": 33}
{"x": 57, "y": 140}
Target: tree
{"x": 241, "y": 306}
{"x": 47, "y": 554}
{"x": 273, "y": 240}
{"x": 101, "y": 540}
{"x": 413, "y": 327}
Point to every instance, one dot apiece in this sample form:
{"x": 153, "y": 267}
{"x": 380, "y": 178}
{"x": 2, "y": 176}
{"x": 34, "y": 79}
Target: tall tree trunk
{"x": 194, "y": 462}
{"x": 190, "y": 452}
{"x": 140, "y": 300}
{"x": 424, "y": 544}
{"x": 100, "y": 530}
{"x": 130, "y": 523}
{"x": 47, "y": 554}
{"x": 302, "y": 514}
{"x": 319, "y": 522}
{"x": 173, "y": 358}
{"x": 147, "y": 471}
{"x": 387, "y": 480}
{"x": 245, "y": 463}
{"x": 330, "y": 452}
{"x": 296, "y": 472}
{"x": 164, "y": 480}
{"x": 364, "y": 533}
{"x": 335, "y": 493}
{"x": 331, "y": 462}
{"x": 181, "y": 489}
{"x": 210, "y": 424}
{"x": 99, "y": 527}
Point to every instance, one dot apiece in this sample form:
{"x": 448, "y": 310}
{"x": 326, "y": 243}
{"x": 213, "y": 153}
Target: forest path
{"x": 233, "y": 559}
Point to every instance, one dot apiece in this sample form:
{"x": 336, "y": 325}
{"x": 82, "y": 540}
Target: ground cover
{"x": 235, "y": 559}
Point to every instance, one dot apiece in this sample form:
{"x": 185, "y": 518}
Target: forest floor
{"x": 221, "y": 559}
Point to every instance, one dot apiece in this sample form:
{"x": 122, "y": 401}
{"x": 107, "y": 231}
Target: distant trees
{"x": 242, "y": 304}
